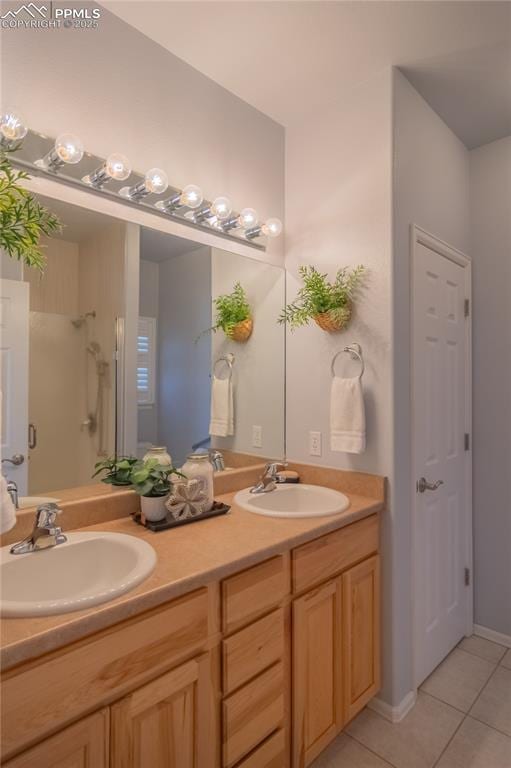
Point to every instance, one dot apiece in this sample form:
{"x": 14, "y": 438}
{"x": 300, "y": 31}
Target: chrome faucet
{"x": 12, "y": 490}
{"x": 217, "y": 460}
{"x": 270, "y": 477}
{"x": 45, "y": 533}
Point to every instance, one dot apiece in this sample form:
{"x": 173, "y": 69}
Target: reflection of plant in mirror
{"x": 233, "y": 314}
{"x": 117, "y": 469}
{"x": 149, "y": 478}
{"x": 328, "y": 304}
{"x": 22, "y": 219}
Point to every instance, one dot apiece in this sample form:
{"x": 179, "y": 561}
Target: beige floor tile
{"x": 483, "y": 648}
{"x": 459, "y": 679}
{"x": 415, "y": 742}
{"x": 493, "y": 706}
{"x": 506, "y": 661}
{"x": 343, "y": 752}
{"x": 477, "y": 746}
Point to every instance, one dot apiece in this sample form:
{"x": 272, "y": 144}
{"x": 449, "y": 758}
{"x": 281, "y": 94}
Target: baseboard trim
{"x": 394, "y": 714}
{"x": 491, "y": 634}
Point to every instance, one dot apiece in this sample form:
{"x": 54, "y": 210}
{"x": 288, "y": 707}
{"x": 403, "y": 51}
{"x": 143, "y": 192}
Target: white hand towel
{"x": 7, "y": 511}
{"x": 222, "y": 408}
{"x": 347, "y": 416}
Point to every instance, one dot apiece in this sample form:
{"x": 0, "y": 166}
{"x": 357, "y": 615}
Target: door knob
{"x": 16, "y": 459}
{"x": 423, "y": 485}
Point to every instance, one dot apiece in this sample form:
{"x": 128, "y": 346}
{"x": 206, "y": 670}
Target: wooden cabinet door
{"x": 82, "y": 745}
{"x": 168, "y": 722}
{"x": 361, "y": 635}
{"x": 317, "y": 669}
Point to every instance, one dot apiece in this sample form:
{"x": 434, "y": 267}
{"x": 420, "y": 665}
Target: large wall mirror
{"x": 111, "y": 351}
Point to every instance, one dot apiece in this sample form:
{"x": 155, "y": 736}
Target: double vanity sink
{"x": 93, "y": 568}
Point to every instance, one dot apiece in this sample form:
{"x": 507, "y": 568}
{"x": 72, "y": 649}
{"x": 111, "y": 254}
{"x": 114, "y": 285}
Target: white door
{"x": 14, "y": 325}
{"x": 442, "y": 504}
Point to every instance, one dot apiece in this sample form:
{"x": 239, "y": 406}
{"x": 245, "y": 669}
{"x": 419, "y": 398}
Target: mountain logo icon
{"x": 32, "y": 10}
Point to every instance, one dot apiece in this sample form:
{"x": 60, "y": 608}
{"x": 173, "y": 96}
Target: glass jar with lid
{"x": 198, "y": 465}
{"x": 159, "y": 452}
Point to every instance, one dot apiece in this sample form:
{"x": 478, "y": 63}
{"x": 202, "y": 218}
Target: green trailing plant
{"x": 231, "y": 309}
{"x": 318, "y": 296}
{"x": 22, "y": 218}
{"x": 149, "y": 478}
{"x": 117, "y": 469}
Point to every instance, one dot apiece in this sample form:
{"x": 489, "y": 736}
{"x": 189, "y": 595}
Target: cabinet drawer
{"x": 327, "y": 556}
{"x": 251, "y": 650}
{"x": 251, "y": 593}
{"x": 252, "y": 713}
{"x": 271, "y": 754}
{"x": 50, "y": 694}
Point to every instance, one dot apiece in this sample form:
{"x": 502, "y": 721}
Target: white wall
{"x": 431, "y": 189}
{"x": 259, "y": 367}
{"x": 490, "y": 216}
{"x": 122, "y": 92}
{"x": 184, "y": 366}
{"x": 148, "y": 306}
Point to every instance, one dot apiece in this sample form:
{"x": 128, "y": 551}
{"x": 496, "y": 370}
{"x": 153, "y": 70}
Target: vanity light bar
{"x": 186, "y": 204}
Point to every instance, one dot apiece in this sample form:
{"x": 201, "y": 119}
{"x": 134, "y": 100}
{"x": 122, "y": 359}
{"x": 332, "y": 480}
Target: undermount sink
{"x": 86, "y": 570}
{"x": 24, "y": 502}
{"x": 290, "y": 500}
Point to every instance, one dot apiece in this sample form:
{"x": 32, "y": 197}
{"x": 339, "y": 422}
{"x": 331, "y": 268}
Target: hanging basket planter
{"x": 242, "y": 331}
{"x": 334, "y": 320}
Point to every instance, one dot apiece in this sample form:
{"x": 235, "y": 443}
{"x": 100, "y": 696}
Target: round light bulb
{"x": 69, "y": 148}
{"x": 221, "y": 208}
{"x": 117, "y": 166}
{"x": 191, "y": 196}
{"x": 156, "y": 181}
{"x": 248, "y": 218}
{"x": 272, "y": 227}
{"x": 12, "y": 125}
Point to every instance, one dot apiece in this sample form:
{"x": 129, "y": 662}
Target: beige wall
{"x": 490, "y": 217}
{"x": 101, "y": 289}
{"x": 120, "y": 91}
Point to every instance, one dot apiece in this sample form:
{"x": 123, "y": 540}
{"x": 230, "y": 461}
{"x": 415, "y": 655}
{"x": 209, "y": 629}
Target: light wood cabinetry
{"x": 260, "y": 670}
{"x": 166, "y": 723}
{"x": 317, "y": 671}
{"x": 361, "y": 635}
{"x": 82, "y": 745}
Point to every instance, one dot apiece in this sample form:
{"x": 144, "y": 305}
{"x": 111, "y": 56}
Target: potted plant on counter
{"x": 152, "y": 482}
{"x": 328, "y": 304}
{"x": 117, "y": 470}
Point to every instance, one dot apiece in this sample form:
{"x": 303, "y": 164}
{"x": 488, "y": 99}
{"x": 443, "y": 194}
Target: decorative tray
{"x": 163, "y": 525}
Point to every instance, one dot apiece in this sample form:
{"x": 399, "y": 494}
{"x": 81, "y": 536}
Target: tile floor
{"x": 462, "y": 719}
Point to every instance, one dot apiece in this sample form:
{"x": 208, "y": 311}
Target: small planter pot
{"x": 336, "y": 323}
{"x": 242, "y": 331}
{"x": 153, "y": 507}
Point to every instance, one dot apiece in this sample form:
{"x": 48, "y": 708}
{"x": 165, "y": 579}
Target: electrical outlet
{"x": 315, "y": 443}
{"x": 257, "y": 436}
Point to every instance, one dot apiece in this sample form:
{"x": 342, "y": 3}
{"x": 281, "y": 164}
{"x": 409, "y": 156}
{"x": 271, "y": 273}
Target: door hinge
{"x": 467, "y": 577}
{"x": 466, "y": 441}
{"x": 466, "y": 307}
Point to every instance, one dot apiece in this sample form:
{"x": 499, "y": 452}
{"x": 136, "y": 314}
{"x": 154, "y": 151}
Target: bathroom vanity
{"x": 251, "y": 645}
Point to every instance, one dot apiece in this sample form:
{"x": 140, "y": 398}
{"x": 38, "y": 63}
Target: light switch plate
{"x": 315, "y": 443}
{"x": 257, "y": 436}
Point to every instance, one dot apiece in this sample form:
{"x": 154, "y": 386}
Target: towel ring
{"x": 355, "y": 350}
{"x": 229, "y": 359}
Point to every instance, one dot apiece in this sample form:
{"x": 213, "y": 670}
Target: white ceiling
{"x": 159, "y": 246}
{"x": 78, "y": 224}
{"x": 291, "y": 58}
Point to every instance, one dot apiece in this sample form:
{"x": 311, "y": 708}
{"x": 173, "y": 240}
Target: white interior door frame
{"x": 419, "y": 236}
